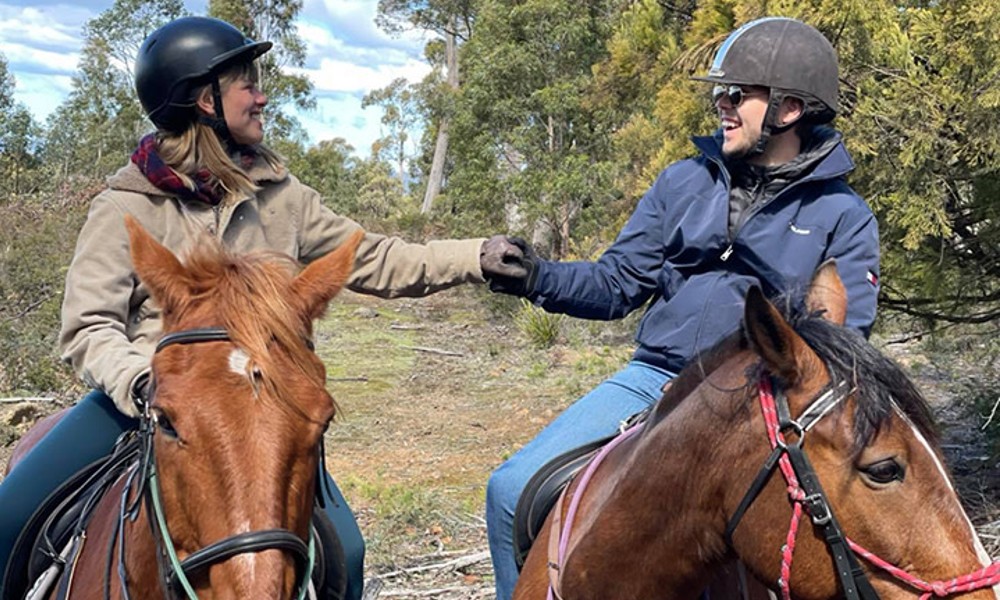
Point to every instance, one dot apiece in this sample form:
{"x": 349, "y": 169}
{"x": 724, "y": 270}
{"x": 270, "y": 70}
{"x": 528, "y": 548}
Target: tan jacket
{"x": 109, "y": 323}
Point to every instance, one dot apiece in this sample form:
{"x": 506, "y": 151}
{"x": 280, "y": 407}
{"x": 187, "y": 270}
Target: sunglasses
{"x": 734, "y": 93}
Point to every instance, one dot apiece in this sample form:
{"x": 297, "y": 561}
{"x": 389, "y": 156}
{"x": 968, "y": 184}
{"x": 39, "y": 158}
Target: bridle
{"x": 806, "y": 493}
{"x": 175, "y": 572}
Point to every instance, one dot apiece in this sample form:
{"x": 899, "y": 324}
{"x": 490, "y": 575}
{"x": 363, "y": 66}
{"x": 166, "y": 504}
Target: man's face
{"x": 741, "y": 111}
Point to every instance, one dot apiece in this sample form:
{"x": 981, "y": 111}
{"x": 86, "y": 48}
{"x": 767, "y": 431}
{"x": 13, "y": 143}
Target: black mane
{"x": 879, "y": 381}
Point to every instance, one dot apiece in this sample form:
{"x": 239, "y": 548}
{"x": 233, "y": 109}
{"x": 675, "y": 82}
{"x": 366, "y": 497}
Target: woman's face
{"x": 243, "y": 104}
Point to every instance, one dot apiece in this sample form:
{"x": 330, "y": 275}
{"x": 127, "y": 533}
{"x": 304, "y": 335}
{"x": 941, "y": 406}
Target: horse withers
{"x": 862, "y": 506}
{"x": 218, "y": 500}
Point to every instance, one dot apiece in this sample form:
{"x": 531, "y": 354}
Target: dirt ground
{"x": 435, "y": 393}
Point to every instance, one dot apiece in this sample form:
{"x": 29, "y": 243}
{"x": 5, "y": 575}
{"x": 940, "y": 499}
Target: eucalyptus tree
{"x": 398, "y": 117}
{"x": 452, "y": 21}
{"x": 523, "y": 120}
{"x": 19, "y": 139}
{"x": 97, "y": 126}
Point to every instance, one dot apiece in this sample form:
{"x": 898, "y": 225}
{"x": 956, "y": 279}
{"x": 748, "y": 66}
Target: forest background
{"x": 549, "y": 119}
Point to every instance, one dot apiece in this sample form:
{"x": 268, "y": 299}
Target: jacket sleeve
{"x": 99, "y": 287}
{"x": 622, "y": 279}
{"x": 388, "y": 266}
{"x": 855, "y": 247}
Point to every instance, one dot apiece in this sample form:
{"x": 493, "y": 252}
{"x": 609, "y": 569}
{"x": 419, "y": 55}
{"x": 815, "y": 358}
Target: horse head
{"x": 879, "y": 475}
{"x": 237, "y": 412}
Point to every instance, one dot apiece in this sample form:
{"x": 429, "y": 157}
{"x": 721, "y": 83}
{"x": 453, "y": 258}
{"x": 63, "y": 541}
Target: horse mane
{"x": 879, "y": 382}
{"x": 249, "y": 296}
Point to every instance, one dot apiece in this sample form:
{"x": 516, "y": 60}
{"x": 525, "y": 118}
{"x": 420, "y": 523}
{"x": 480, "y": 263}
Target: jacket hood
{"x": 130, "y": 179}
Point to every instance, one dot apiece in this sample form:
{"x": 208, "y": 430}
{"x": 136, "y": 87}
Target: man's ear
{"x": 791, "y": 110}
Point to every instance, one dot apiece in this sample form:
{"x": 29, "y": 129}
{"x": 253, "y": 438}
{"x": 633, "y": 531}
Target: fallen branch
{"x": 360, "y": 378}
{"x": 433, "y": 350}
{"x": 27, "y": 399}
{"x": 453, "y": 564}
{"x": 399, "y": 327}
{"x": 992, "y": 414}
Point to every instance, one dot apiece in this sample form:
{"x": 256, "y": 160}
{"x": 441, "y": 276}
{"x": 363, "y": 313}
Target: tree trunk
{"x": 436, "y": 177}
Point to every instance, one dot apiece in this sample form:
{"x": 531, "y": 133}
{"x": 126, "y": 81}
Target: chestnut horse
{"x": 675, "y": 499}
{"x": 220, "y": 499}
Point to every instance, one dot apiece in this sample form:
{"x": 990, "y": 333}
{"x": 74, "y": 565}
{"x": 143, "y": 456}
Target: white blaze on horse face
{"x": 238, "y": 361}
{"x": 246, "y": 561}
{"x": 984, "y": 556}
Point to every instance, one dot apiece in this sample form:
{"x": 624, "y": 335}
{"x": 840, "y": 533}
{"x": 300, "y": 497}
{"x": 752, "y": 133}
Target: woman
{"x": 203, "y": 170}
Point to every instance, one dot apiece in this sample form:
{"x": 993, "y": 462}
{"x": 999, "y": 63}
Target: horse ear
{"x": 157, "y": 267}
{"x": 774, "y": 339}
{"x": 827, "y": 293}
{"x": 323, "y": 279}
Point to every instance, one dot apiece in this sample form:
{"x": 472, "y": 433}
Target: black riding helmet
{"x": 787, "y": 56}
{"x": 182, "y": 56}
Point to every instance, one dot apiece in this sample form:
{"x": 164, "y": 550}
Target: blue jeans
{"x": 596, "y": 415}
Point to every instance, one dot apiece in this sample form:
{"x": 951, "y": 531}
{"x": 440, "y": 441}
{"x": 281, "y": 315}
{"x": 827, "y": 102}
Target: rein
{"x": 559, "y": 532}
{"x": 806, "y": 493}
{"x": 175, "y": 572}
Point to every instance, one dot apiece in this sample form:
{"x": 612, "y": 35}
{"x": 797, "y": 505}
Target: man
{"x": 765, "y": 203}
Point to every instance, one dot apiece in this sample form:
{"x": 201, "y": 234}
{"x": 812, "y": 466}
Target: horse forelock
{"x": 249, "y": 296}
{"x": 879, "y": 383}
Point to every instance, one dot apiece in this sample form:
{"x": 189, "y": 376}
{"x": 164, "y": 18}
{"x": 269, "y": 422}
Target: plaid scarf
{"x": 207, "y": 188}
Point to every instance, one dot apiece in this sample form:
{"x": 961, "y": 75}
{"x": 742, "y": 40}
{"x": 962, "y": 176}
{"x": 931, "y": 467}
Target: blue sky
{"x": 347, "y": 56}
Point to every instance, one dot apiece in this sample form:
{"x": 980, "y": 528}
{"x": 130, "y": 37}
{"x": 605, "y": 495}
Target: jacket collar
{"x": 836, "y": 163}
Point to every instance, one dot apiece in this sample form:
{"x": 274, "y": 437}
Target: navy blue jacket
{"x": 676, "y": 250}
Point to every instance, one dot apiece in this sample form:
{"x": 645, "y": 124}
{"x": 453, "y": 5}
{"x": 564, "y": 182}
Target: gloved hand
{"x": 509, "y": 265}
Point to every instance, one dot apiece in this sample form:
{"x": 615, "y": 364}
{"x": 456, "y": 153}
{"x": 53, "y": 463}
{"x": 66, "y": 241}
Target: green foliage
{"x": 540, "y": 327}
{"x": 527, "y": 148}
{"x": 399, "y": 116}
{"x": 19, "y": 139}
{"x": 36, "y": 245}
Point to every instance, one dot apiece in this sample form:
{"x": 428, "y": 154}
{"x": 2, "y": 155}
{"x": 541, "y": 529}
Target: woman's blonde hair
{"x": 199, "y": 148}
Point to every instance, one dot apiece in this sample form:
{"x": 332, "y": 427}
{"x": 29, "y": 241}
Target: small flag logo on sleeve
{"x": 873, "y": 279}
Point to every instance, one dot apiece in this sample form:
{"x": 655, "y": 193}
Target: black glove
{"x": 509, "y": 265}
{"x": 140, "y": 390}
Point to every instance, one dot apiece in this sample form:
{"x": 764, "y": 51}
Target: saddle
{"x": 49, "y": 536}
{"x": 547, "y": 483}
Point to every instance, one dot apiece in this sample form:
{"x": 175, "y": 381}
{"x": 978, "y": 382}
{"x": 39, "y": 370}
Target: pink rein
{"x": 983, "y": 578}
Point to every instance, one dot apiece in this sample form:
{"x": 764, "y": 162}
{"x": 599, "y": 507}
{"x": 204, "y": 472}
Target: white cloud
{"x": 347, "y": 56}
{"x": 334, "y": 75}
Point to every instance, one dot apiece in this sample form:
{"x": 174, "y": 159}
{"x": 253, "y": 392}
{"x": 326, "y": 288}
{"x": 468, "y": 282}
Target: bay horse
{"x": 219, "y": 500}
{"x": 673, "y": 500}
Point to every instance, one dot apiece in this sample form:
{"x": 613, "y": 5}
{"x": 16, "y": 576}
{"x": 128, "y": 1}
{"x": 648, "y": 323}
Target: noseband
{"x": 806, "y": 493}
{"x": 175, "y": 572}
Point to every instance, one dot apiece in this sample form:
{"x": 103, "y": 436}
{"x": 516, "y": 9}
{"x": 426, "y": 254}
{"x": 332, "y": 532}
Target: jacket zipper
{"x": 753, "y": 211}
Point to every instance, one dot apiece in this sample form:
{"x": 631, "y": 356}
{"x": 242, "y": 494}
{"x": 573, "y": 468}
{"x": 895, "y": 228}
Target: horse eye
{"x": 884, "y": 471}
{"x": 164, "y": 425}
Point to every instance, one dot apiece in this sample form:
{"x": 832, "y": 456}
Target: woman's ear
{"x": 205, "y": 102}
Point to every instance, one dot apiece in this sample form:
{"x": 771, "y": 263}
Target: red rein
{"x": 983, "y": 578}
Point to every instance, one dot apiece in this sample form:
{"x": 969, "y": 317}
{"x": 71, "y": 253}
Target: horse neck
{"x": 671, "y": 478}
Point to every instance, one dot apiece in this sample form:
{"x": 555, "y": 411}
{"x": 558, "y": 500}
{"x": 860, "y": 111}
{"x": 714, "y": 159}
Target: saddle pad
{"x": 541, "y": 493}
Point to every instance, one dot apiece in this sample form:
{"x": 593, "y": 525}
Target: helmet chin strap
{"x": 218, "y": 121}
{"x": 770, "y": 127}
